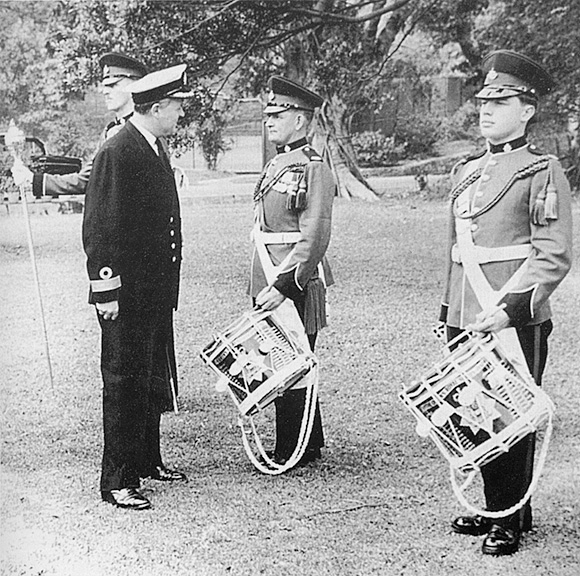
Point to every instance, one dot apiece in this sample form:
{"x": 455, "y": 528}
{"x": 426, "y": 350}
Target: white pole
{"x": 13, "y": 138}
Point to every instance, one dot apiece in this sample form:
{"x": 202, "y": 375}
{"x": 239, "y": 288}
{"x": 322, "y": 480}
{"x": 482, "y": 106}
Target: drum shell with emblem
{"x": 257, "y": 359}
{"x": 475, "y": 403}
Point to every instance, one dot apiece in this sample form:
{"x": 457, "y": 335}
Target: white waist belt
{"x": 483, "y": 254}
{"x": 280, "y": 237}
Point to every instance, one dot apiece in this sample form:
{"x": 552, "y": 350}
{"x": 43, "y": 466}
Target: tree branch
{"x": 321, "y": 15}
{"x": 228, "y": 6}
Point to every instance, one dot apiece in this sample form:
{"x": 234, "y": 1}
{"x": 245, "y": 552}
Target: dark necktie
{"x": 162, "y": 154}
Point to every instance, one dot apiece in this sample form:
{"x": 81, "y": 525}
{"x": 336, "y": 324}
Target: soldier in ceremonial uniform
{"x": 119, "y": 72}
{"x": 293, "y": 206}
{"x": 132, "y": 239}
{"x": 510, "y": 246}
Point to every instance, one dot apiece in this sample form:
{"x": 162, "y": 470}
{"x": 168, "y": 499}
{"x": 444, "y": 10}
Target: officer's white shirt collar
{"x": 151, "y": 139}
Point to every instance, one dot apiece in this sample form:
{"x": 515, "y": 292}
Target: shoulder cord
{"x": 260, "y": 192}
{"x": 524, "y": 172}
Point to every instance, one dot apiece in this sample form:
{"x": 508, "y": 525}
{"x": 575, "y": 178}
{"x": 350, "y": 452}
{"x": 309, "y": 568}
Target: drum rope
{"x": 458, "y": 490}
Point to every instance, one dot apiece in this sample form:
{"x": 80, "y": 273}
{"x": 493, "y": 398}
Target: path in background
{"x": 238, "y": 170}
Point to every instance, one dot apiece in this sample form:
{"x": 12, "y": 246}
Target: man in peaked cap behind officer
{"x": 119, "y": 71}
{"x": 510, "y": 246}
{"x": 132, "y": 239}
{"x": 293, "y": 210}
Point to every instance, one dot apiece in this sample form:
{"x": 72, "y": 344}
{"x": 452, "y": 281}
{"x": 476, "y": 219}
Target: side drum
{"x": 257, "y": 360}
{"x": 475, "y": 403}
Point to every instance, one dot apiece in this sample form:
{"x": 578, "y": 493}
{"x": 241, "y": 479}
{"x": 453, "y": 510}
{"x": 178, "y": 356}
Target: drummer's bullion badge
{"x": 491, "y": 75}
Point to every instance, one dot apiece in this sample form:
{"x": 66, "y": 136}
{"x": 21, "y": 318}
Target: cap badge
{"x": 271, "y": 96}
{"x": 491, "y": 75}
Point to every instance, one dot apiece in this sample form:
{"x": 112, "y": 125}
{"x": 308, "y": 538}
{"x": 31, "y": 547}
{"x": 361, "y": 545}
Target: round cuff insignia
{"x": 105, "y": 273}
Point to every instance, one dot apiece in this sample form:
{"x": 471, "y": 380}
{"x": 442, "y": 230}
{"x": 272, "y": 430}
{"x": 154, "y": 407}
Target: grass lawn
{"x": 379, "y": 502}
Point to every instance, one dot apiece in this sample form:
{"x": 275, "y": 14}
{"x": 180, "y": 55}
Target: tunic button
{"x": 479, "y": 193}
{"x": 172, "y": 232}
{"x": 173, "y": 246}
{"x": 171, "y": 219}
{"x": 474, "y": 227}
{"x": 485, "y": 177}
{"x": 174, "y": 259}
{"x": 492, "y": 162}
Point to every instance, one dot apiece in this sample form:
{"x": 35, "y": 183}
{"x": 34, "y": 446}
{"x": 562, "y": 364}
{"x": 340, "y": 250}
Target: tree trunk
{"x": 331, "y": 141}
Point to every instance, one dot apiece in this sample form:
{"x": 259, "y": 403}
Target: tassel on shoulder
{"x": 546, "y": 204}
{"x": 301, "y": 194}
{"x": 296, "y": 193}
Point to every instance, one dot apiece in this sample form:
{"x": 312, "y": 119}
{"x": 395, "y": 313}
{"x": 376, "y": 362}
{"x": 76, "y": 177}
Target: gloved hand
{"x": 21, "y": 174}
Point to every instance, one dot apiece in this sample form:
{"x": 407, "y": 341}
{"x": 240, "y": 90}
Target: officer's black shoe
{"x": 501, "y": 541}
{"x": 167, "y": 475}
{"x": 471, "y": 525}
{"x": 129, "y": 498}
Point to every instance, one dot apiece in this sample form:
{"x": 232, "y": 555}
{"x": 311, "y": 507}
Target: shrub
{"x": 418, "y": 133}
{"x": 210, "y": 135}
{"x": 374, "y": 149}
{"x": 462, "y": 125}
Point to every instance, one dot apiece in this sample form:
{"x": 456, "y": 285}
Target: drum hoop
{"x": 531, "y": 408}
{"x": 253, "y": 398}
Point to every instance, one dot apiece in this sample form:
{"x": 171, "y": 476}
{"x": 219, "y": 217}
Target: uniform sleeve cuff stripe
{"x": 105, "y": 285}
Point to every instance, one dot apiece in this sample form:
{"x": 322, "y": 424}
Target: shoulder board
{"x": 311, "y": 154}
{"x": 539, "y": 152}
{"x": 535, "y": 150}
{"x": 466, "y": 159}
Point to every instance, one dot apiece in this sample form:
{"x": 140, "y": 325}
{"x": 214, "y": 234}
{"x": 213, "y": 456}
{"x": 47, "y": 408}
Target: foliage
{"x": 546, "y": 31}
{"x": 418, "y": 133}
{"x": 210, "y": 135}
{"x": 8, "y": 190}
{"x": 373, "y": 149}
{"x": 347, "y": 50}
{"x": 22, "y": 55}
{"x": 462, "y": 125}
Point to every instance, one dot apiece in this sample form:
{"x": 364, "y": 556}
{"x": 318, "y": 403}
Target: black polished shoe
{"x": 311, "y": 455}
{"x": 501, "y": 541}
{"x": 471, "y": 525}
{"x": 167, "y": 475}
{"x": 126, "y": 498}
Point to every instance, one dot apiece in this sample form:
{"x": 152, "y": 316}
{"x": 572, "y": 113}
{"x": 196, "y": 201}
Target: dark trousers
{"x": 133, "y": 362}
{"x": 507, "y": 478}
{"x": 290, "y": 410}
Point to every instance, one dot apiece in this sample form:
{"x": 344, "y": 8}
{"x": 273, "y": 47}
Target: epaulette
{"x": 311, "y": 154}
{"x": 466, "y": 159}
{"x": 539, "y": 152}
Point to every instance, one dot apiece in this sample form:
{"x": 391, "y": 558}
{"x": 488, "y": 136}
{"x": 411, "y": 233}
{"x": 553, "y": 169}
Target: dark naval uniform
{"x": 132, "y": 238}
{"x": 295, "y": 195}
{"x": 513, "y": 203}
